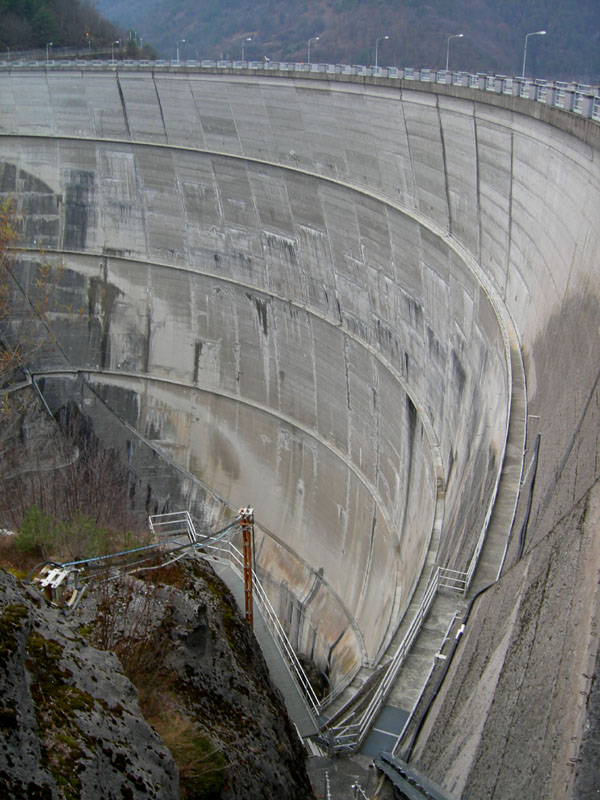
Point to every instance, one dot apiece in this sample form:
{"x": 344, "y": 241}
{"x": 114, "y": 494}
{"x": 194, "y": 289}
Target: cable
{"x": 448, "y": 661}
{"x": 534, "y": 464}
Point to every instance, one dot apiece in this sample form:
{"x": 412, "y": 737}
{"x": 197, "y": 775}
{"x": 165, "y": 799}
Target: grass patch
{"x": 41, "y": 536}
{"x": 200, "y": 762}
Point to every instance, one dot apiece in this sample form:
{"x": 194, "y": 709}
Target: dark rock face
{"x": 70, "y": 720}
{"x": 216, "y": 670}
{"x": 71, "y": 723}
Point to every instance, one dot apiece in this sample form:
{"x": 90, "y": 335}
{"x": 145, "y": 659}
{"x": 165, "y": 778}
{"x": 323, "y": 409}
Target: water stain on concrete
{"x": 102, "y": 297}
{"x": 79, "y": 200}
{"x": 261, "y": 309}
{"x": 223, "y": 455}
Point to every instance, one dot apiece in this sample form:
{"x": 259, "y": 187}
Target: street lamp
{"x": 47, "y": 49}
{"x": 535, "y": 33}
{"x": 456, "y": 36}
{"x": 112, "y": 49}
{"x": 314, "y": 39}
{"x": 179, "y": 41}
{"x": 379, "y": 39}
{"x": 247, "y": 39}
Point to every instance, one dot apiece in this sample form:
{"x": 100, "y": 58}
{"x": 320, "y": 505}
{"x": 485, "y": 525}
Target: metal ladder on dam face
{"x": 344, "y": 733}
{"x": 228, "y": 560}
{"x": 349, "y": 726}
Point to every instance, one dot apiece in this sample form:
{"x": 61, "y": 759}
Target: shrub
{"x": 38, "y": 534}
{"x": 81, "y": 537}
{"x": 43, "y": 536}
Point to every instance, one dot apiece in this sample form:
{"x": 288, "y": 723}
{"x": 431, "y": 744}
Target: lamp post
{"x": 314, "y": 39}
{"x": 456, "y": 36}
{"x": 379, "y": 39}
{"x": 112, "y": 49}
{"x": 48, "y": 46}
{"x": 535, "y": 33}
{"x": 179, "y": 41}
{"x": 247, "y": 39}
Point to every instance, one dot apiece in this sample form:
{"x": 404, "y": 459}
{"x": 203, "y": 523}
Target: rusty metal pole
{"x": 247, "y": 523}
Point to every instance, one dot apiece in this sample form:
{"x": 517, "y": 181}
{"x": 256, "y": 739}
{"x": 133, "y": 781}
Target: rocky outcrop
{"x": 222, "y": 681}
{"x": 70, "y": 719}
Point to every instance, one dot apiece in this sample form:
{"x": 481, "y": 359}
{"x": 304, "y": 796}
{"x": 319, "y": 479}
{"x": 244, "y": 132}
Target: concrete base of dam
{"x": 308, "y": 294}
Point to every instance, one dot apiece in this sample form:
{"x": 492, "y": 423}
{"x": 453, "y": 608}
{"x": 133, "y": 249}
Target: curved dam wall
{"x": 301, "y": 290}
{"x": 290, "y": 336}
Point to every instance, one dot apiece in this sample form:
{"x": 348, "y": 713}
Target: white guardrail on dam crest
{"x": 580, "y": 99}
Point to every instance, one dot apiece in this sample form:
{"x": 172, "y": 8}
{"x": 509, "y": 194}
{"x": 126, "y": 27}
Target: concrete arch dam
{"x": 306, "y": 292}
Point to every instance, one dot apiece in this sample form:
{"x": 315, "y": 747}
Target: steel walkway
{"x": 279, "y": 672}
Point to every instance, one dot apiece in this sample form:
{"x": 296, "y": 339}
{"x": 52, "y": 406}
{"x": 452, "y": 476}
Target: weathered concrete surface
{"x": 524, "y": 676}
{"x": 302, "y": 284}
{"x": 271, "y": 324}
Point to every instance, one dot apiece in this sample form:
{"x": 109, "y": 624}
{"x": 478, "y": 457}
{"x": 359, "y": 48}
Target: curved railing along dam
{"x": 305, "y": 291}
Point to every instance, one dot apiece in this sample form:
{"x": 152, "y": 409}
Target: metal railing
{"x": 347, "y": 737}
{"x": 573, "y": 97}
{"x": 219, "y": 545}
{"x": 173, "y": 524}
{"x": 225, "y": 548}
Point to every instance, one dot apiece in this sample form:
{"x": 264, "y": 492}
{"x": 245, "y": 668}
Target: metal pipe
{"x": 247, "y": 525}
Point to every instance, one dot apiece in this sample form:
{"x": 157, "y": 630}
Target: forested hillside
{"x": 28, "y": 24}
{"x": 347, "y": 30}
{"x": 418, "y": 30}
